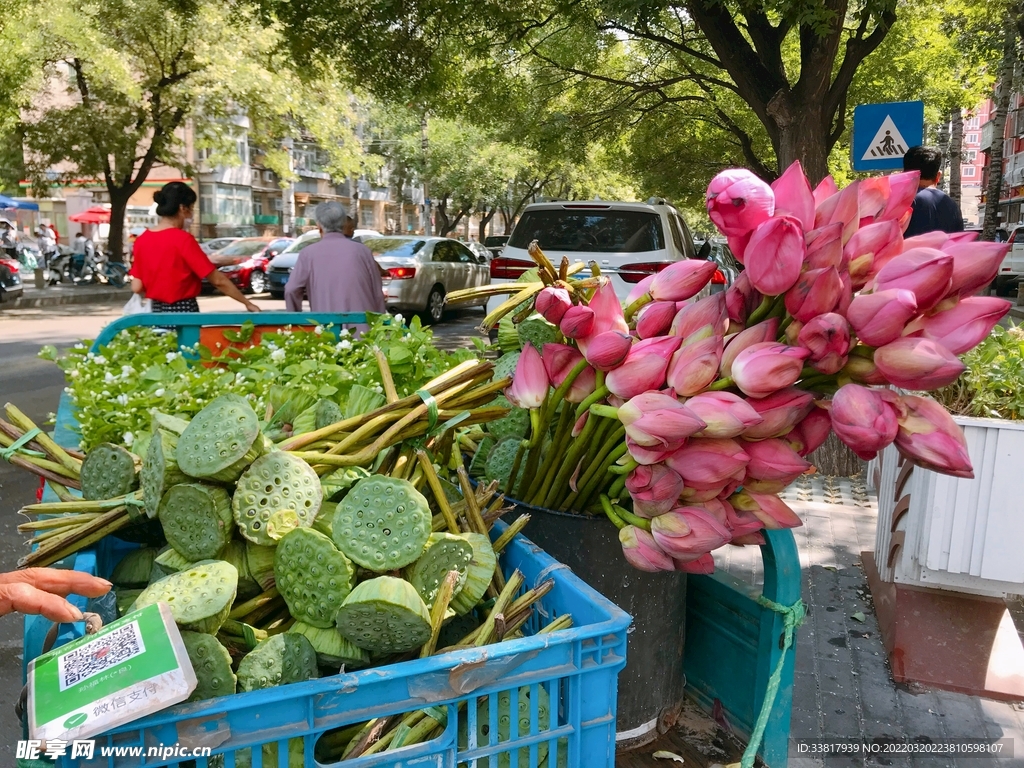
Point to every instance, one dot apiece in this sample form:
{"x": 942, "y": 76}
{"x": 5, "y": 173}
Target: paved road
{"x": 35, "y": 385}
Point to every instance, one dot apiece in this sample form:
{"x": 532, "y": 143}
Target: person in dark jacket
{"x": 933, "y": 208}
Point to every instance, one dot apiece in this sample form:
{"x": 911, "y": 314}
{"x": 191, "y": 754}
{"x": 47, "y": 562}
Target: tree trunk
{"x": 484, "y": 221}
{"x": 1003, "y": 91}
{"x": 956, "y": 148}
{"x": 118, "y": 207}
{"x": 797, "y": 140}
{"x": 836, "y": 459}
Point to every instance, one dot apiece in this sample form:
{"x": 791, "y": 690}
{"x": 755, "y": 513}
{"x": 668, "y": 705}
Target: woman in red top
{"x": 168, "y": 266}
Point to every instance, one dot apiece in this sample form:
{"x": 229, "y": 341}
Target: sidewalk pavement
{"x": 843, "y": 686}
{"x": 59, "y": 295}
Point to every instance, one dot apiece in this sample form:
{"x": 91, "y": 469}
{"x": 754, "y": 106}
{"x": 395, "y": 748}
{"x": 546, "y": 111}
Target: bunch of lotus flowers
{"x": 683, "y": 419}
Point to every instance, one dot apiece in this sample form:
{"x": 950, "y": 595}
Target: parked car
{"x": 728, "y": 266}
{"x": 10, "y": 280}
{"x": 216, "y": 244}
{"x": 245, "y": 261}
{"x": 281, "y": 265}
{"x": 360, "y": 235}
{"x": 1012, "y": 268}
{"x": 495, "y": 244}
{"x": 482, "y": 252}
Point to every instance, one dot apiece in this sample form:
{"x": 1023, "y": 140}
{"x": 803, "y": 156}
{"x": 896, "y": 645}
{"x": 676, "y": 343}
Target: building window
{"x": 257, "y": 207}
{"x": 202, "y": 155}
{"x": 970, "y": 156}
{"x": 268, "y": 175}
{"x": 967, "y": 172}
{"x": 412, "y": 222}
{"x": 279, "y": 206}
{"x": 972, "y": 138}
{"x": 972, "y": 123}
{"x": 367, "y": 218}
{"x": 242, "y": 147}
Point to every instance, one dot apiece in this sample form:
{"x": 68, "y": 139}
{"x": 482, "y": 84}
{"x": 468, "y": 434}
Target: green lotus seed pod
{"x": 505, "y": 366}
{"x": 332, "y": 650}
{"x": 382, "y": 523}
{"x": 335, "y": 484}
{"x": 278, "y": 660}
{"x": 221, "y": 441}
{"x": 261, "y": 564}
{"x": 160, "y": 470}
{"x": 455, "y": 629}
{"x": 108, "y": 471}
{"x": 537, "y": 331}
{"x": 200, "y": 597}
{"x": 125, "y": 599}
{"x": 478, "y": 575}
{"x": 385, "y": 615}
{"x": 327, "y": 412}
{"x": 234, "y": 553}
{"x": 478, "y": 466}
{"x": 515, "y": 424}
{"x": 485, "y": 737}
{"x": 134, "y": 569}
{"x": 212, "y": 664}
{"x": 501, "y": 460}
{"x": 196, "y": 519}
{"x": 276, "y": 484}
{"x": 168, "y": 561}
{"x": 313, "y": 576}
{"x": 444, "y": 552}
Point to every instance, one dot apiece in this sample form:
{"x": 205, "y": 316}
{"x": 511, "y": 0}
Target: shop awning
{"x": 21, "y": 205}
{"x": 95, "y": 215}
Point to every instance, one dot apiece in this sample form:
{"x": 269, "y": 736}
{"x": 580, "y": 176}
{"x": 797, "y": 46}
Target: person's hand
{"x": 42, "y": 590}
{"x": 250, "y": 307}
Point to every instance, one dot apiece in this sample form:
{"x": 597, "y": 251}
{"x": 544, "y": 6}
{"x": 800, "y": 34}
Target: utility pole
{"x": 288, "y": 193}
{"x": 425, "y": 146}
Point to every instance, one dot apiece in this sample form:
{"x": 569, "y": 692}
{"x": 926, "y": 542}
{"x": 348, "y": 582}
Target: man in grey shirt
{"x": 335, "y": 274}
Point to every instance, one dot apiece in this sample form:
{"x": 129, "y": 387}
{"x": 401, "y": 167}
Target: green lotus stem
{"x": 440, "y": 608}
{"x": 563, "y": 388}
{"x": 572, "y": 459}
{"x": 721, "y": 384}
{"x": 778, "y": 308}
{"x": 599, "y": 394}
{"x": 536, "y": 429}
{"x": 631, "y": 519}
{"x": 589, "y": 458}
{"x": 515, "y": 581}
{"x": 510, "y": 482}
{"x": 61, "y": 492}
{"x": 514, "y": 528}
{"x": 616, "y": 489}
{"x": 60, "y": 547}
{"x": 435, "y": 486}
{"x": 786, "y": 322}
{"x": 816, "y": 380}
{"x": 624, "y": 469}
{"x": 611, "y": 450}
{"x": 58, "y": 522}
{"x": 761, "y": 312}
{"x": 600, "y": 476}
{"x": 78, "y": 505}
{"x": 604, "y": 411}
{"x": 473, "y": 515}
{"x": 23, "y": 422}
{"x": 637, "y": 305}
{"x": 863, "y": 350}
{"x": 242, "y": 610}
{"x": 606, "y": 505}
{"x": 562, "y": 622}
{"x": 530, "y": 475}
{"x": 563, "y": 433}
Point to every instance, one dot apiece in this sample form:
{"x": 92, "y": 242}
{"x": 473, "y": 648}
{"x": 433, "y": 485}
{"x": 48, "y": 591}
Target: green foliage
{"x": 993, "y": 384}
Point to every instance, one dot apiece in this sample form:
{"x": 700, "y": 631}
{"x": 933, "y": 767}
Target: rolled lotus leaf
{"x": 444, "y": 552}
{"x": 212, "y": 664}
{"x": 382, "y": 523}
{"x": 260, "y": 560}
{"x": 200, "y": 597}
{"x": 478, "y": 574}
{"x": 515, "y": 424}
{"x": 108, "y": 471}
{"x": 165, "y": 421}
{"x": 501, "y": 460}
{"x": 324, "y": 521}
{"x": 125, "y": 599}
{"x": 478, "y": 466}
{"x": 132, "y": 572}
{"x": 337, "y": 483}
{"x": 385, "y": 615}
{"x": 221, "y": 441}
{"x": 160, "y": 470}
{"x": 484, "y": 735}
{"x": 313, "y": 576}
{"x": 277, "y": 493}
{"x": 327, "y": 412}
{"x": 234, "y": 553}
{"x": 332, "y": 650}
{"x": 505, "y": 365}
{"x": 278, "y": 660}
{"x": 196, "y": 519}
{"x": 168, "y": 561}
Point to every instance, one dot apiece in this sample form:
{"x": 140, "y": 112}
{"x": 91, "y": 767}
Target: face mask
{"x": 188, "y": 222}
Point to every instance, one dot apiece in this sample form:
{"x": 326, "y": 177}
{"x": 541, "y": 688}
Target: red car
{"x": 245, "y": 261}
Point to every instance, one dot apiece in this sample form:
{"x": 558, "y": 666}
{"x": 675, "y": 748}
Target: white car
{"x": 1012, "y": 268}
{"x": 629, "y": 241}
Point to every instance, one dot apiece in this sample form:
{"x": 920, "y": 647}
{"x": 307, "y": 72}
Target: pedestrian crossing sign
{"x": 882, "y": 134}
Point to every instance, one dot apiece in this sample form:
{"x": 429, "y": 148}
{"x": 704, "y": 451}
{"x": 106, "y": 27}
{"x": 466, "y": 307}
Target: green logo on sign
{"x": 74, "y": 720}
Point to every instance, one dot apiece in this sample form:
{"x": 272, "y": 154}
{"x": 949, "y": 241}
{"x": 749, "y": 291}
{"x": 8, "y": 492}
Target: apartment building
{"x": 1011, "y": 195}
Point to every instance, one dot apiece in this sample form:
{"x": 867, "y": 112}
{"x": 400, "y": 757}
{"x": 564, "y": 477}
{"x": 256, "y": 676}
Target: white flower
{"x": 172, "y": 356}
{"x": 343, "y": 333}
{"x": 105, "y": 393}
{"x": 99, "y": 359}
{"x": 131, "y": 345}
{"x": 122, "y": 399}
{"x": 109, "y": 378}
{"x": 270, "y": 345}
{"x": 239, "y": 378}
{"x": 159, "y": 392}
{"x": 399, "y": 318}
{"x": 318, "y": 330}
{"x": 345, "y": 344}
{"x": 128, "y": 438}
{"x": 379, "y": 389}
{"x": 126, "y": 370}
{"x": 79, "y": 346}
{"x": 407, "y": 337}
{"x": 278, "y": 355}
{"x": 74, "y": 373}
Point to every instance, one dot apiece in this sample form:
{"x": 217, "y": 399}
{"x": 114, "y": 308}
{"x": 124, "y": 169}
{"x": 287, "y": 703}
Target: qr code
{"x": 99, "y": 655}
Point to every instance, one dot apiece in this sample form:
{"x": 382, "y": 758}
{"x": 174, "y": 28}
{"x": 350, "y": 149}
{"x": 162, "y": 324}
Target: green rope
{"x": 8, "y": 453}
{"x": 793, "y": 617}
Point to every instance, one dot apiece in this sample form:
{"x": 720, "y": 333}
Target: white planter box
{"x": 951, "y": 533}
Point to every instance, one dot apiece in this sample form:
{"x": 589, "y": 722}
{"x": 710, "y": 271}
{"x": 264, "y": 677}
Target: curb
{"x": 64, "y": 298}
{"x": 1017, "y": 312}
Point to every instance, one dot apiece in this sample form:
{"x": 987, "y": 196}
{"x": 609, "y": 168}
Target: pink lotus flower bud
{"x": 975, "y": 265}
{"x": 718, "y": 509}
{"x": 658, "y": 420}
{"x": 686, "y": 533}
{"x": 709, "y": 311}
{"x": 738, "y": 201}
{"x": 780, "y": 412}
{"x": 912, "y": 363}
{"x": 964, "y": 326}
{"x": 608, "y": 314}
{"x": 768, "y": 508}
{"x": 552, "y": 304}
{"x": 709, "y": 463}
{"x": 646, "y": 455}
{"x": 695, "y": 365}
{"x": 738, "y": 244}
{"x": 846, "y": 295}
{"x": 530, "y": 381}
{"x": 775, "y": 255}
{"x": 925, "y": 272}
{"x": 825, "y": 247}
{"x": 828, "y": 339}
{"x": 863, "y": 371}
{"x": 825, "y": 189}
{"x": 793, "y": 196}
{"x": 871, "y": 248}
{"x": 864, "y": 419}
{"x": 774, "y": 460}
{"x": 577, "y": 322}
{"x": 559, "y": 360}
{"x": 935, "y": 239}
{"x": 642, "y": 552}
{"x": 654, "y": 489}
{"x": 606, "y": 350}
{"x": 878, "y": 318}
{"x": 726, "y": 414}
{"x": 755, "y": 539}
{"x": 842, "y": 207}
{"x": 703, "y": 565}
{"x": 903, "y": 188}
{"x": 811, "y": 433}
{"x": 761, "y": 369}
{"x": 640, "y": 289}
{"x": 872, "y": 196}
{"x": 741, "y": 299}
{"x": 644, "y": 368}
{"x": 581, "y": 422}
{"x": 740, "y": 521}
{"x": 692, "y": 496}
{"x": 763, "y": 486}
{"x": 655, "y": 319}
{"x": 756, "y": 334}
{"x": 930, "y": 437}
{"x": 682, "y": 280}
{"x": 816, "y": 292}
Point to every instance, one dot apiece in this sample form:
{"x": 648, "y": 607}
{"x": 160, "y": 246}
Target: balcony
{"x": 986, "y": 137}
{"x": 266, "y": 218}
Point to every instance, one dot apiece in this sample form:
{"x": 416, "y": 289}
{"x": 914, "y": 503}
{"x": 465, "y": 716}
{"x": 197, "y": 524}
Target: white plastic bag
{"x": 137, "y": 305}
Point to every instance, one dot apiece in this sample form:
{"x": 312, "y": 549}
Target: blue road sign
{"x": 882, "y": 134}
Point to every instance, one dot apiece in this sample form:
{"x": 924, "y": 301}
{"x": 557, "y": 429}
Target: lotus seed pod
{"x": 332, "y": 650}
{"x": 445, "y": 552}
{"x": 536, "y": 331}
{"x": 382, "y": 523}
{"x": 168, "y": 561}
{"x": 234, "y": 553}
{"x": 337, "y": 483}
{"x": 505, "y": 366}
{"x": 108, "y": 471}
{"x": 212, "y": 664}
{"x": 200, "y": 598}
{"x": 261, "y": 564}
{"x": 313, "y": 576}
{"x": 196, "y": 519}
{"x": 456, "y": 628}
{"x": 165, "y": 421}
{"x": 501, "y": 460}
{"x": 478, "y": 575}
{"x": 516, "y": 424}
{"x": 125, "y": 599}
{"x": 221, "y": 441}
{"x": 160, "y": 470}
{"x": 385, "y": 615}
{"x": 485, "y": 737}
{"x": 134, "y": 569}
{"x": 278, "y": 488}
{"x": 478, "y": 466}
{"x": 327, "y": 412}
{"x": 278, "y": 660}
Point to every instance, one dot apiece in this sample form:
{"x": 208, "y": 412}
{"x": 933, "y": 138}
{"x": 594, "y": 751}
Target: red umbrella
{"x": 95, "y": 215}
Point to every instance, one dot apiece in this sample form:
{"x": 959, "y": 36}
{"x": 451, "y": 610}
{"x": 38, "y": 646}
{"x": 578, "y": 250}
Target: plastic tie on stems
{"x": 431, "y": 403}
{"x": 135, "y": 507}
{"x": 18, "y": 445}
